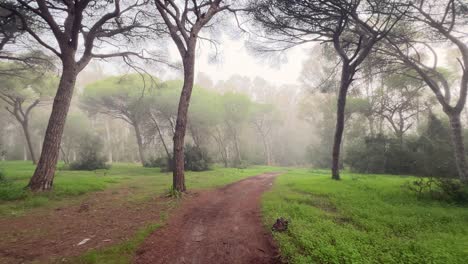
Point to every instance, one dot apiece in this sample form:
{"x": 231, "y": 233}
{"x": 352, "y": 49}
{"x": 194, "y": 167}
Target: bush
{"x": 452, "y": 190}
{"x": 196, "y": 159}
{"x": 448, "y": 190}
{"x": 164, "y": 163}
{"x": 90, "y": 154}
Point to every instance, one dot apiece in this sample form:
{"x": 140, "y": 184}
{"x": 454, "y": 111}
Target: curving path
{"x": 219, "y": 226}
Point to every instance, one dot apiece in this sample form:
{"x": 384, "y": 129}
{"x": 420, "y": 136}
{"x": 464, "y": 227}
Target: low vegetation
{"x": 363, "y": 219}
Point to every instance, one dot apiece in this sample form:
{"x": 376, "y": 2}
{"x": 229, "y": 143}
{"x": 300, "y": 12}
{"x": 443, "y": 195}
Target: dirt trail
{"x": 219, "y": 226}
{"x": 50, "y": 235}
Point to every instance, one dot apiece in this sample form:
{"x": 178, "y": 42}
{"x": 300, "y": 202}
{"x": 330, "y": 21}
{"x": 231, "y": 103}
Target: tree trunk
{"x": 28, "y": 141}
{"x": 340, "y": 117}
{"x": 236, "y": 145}
{"x": 458, "y": 146}
{"x": 266, "y": 149}
{"x": 64, "y": 156}
{"x": 43, "y": 177}
{"x": 109, "y": 142}
{"x": 178, "y": 180}
{"x": 222, "y": 147}
{"x": 141, "y": 151}
{"x": 156, "y": 124}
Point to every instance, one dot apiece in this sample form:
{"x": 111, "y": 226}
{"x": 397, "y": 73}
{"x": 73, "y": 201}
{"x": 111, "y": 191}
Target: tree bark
{"x": 27, "y": 135}
{"x": 43, "y": 177}
{"x": 458, "y": 146}
{"x": 178, "y": 180}
{"x": 346, "y": 76}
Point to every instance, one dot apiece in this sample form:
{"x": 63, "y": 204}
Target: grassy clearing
{"x": 363, "y": 219}
{"x": 70, "y": 185}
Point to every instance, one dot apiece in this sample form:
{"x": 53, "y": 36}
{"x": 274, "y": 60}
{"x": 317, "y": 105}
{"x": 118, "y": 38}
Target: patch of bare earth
{"x": 219, "y": 226}
{"x": 104, "y": 218}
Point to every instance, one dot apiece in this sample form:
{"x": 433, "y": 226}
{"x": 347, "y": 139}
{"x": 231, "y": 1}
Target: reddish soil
{"x": 219, "y": 226}
{"x": 49, "y": 235}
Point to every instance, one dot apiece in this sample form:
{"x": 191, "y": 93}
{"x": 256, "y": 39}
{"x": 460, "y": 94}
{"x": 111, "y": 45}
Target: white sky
{"x": 234, "y": 58}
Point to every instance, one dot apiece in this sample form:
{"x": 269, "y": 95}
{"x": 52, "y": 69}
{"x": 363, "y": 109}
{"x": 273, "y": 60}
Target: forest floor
{"x": 219, "y": 226}
{"x": 92, "y": 217}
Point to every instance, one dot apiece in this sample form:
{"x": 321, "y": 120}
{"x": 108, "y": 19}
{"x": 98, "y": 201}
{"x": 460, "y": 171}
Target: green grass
{"x": 71, "y": 185}
{"x": 363, "y": 219}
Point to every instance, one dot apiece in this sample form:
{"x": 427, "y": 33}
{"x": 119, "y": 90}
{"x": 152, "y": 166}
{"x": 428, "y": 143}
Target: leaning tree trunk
{"x": 161, "y": 137}
{"x": 27, "y": 135}
{"x": 458, "y": 146}
{"x": 43, "y": 177}
{"x": 340, "y": 118}
{"x": 178, "y": 179}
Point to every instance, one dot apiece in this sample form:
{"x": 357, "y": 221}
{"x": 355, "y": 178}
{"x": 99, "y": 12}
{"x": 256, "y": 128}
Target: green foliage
{"x": 362, "y": 219}
{"x": 164, "y": 163}
{"x": 430, "y": 154}
{"x": 27, "y": 83}
{"x": 172, "y": 192}
{"x": 120, "y": 96}
{"x": 437, "y": 188}
{"x": 89, "y": 154}
{"x": 196, "y": 159}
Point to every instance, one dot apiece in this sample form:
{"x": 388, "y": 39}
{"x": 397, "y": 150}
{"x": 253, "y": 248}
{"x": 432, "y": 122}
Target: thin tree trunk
{"x": 236, "y": 145}
{"x": 178, "y": 180}
{"x": 161, "y": 136}
{"x": 25, "y": 127}
{"x": 43, "y": 177}
{"x": 221, "y": 147}
{"x": 266, "y": 149}
{"x": 458, "y": 146}
{"x": 340, "y": 118}
{"x": 139, "y": 139}
{"x": 25, "y": 153}
{"x": 64, "y": 156}
{"x": 109, "y": 143}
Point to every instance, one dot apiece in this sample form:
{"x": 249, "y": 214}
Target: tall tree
{"x": 399, "y": 102}
{"x": 236, "y": 114}
{"x": 184, "y": 21}
{"x": 122, "y": 97}
{"x": 416, "y": 49}
{"x": 264, "y": 117}
{"x": 72, "y": 31}
{"x": 352, "y": 27}
{"x": 24, "y": 91}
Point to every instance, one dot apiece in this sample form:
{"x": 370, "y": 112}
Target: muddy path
{"x": 218, "y": 226}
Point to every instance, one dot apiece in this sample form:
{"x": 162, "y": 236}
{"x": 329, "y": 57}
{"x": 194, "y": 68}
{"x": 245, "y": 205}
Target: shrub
{"x": 452, "y": 190}
{"x": 196, "y": 159}
{"x": 164, "y": 163}
{"x": 442, "y": 189}
{"x": 90, "y": 154}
